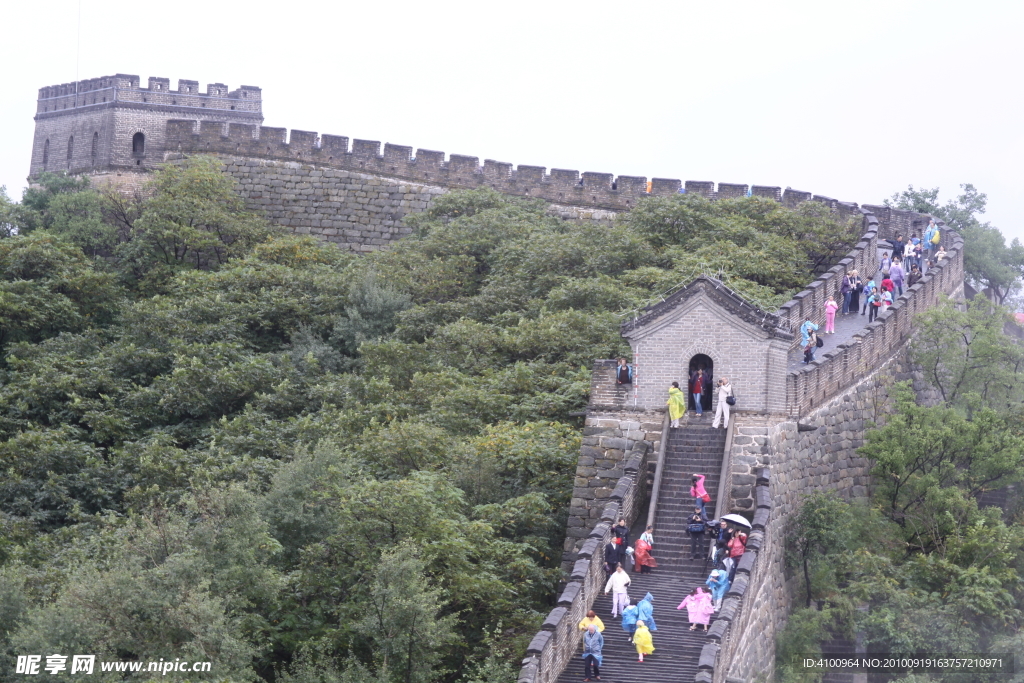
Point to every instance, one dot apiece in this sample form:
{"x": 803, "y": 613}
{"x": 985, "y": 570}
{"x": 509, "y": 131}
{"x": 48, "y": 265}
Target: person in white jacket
{"x": 724, "y": 392}
{"x": 618, "y": 582}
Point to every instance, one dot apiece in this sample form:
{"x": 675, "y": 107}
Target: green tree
{"x": 932, "y": 463}
{"x": 965, "y": 354}
{"x": 403, "y": 619}
{"x": 193, "y": 220}
{"x": 989, "y": 263}
{"x": 819, "y": 532}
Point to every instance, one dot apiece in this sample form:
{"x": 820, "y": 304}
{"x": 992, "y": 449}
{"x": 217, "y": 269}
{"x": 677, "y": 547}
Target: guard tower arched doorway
{"x": 701, "y": 362}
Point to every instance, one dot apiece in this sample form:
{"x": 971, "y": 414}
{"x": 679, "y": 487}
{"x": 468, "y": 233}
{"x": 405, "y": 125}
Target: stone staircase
{"x": 696, "y": 447}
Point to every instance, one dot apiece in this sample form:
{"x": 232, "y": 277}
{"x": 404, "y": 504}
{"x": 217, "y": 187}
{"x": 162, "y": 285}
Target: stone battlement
{"x": 58, "y": 100}
{"x": 560, "y": 186}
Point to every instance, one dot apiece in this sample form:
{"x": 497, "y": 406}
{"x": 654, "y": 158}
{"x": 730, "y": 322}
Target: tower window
{"x": 138, "y": 144}
{"x": 46, "y": 153}
{"x": 71, "y": 149}
{"x": 95, "y": 146}
{"x": 232, "y": 107}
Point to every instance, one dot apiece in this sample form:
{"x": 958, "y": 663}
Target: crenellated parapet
{"x": 430, "y": 167}
{"x": 66, "y": 98}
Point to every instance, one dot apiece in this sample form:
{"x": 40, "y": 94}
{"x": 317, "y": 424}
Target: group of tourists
{"x": 700, "y": 382}
{"x": 901, "y": 267}
{"x": 637, "y": 622}
{"x": 702, "y": 602}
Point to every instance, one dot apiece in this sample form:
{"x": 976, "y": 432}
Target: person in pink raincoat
{"x": 698, "y": 608}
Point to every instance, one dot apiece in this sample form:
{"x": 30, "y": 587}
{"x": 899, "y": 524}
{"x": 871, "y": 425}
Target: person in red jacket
{"x": 887, "y": 285}
{"x": 737, "y": 544}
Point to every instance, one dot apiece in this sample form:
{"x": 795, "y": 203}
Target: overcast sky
{"x": 852, "y": 100}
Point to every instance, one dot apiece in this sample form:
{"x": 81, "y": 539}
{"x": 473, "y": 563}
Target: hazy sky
{"x": 850, "y": 100}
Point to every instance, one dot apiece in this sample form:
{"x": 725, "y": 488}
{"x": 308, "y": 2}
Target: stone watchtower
{"x": 112, "y": 124}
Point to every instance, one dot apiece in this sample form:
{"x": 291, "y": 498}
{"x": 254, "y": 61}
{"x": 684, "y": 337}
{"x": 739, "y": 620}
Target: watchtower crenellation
{"x": 113, "y": 123}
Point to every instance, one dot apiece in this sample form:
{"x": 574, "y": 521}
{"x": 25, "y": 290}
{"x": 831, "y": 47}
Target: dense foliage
{"x": 925, "y": 566}
{"x": 221, "y": 442}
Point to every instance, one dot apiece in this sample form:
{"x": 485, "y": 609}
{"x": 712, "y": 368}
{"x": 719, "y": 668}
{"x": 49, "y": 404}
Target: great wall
{"x": 795, "y": 430}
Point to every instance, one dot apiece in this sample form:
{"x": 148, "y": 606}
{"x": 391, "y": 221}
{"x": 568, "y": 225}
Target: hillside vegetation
{"x": 221, "y": 442}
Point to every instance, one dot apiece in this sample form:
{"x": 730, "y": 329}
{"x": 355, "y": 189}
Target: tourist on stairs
{"x": 629, "y": 617}
{"x": 723, "y": 534}
{"x": 642, "y": 552}
{"x": 698, "y": 608}
{"x": 643, "y": 640}
{"x": 645, "y": 611}
{"x": 696, "y": 526}
{"x": 676, "y": 404}
{"x": 592, "y": 620}
{"x": 613, "y": 554}
{"x": 718, "y": 582}
{"x": 736, "y": 547}
{"x": 593, "y": 641}
{"x": 700, "y": 495}
{"x": 618, "y": 582}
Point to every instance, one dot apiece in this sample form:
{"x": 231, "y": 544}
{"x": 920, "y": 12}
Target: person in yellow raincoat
{"x": 643, "y": 641}
{"x": 676, "y": 403}
{"x": 592, "y": 619}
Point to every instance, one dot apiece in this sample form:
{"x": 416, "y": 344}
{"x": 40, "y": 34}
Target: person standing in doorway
{"x": 676, "y": 404}
{"x": 725, "y": 395}
{"x": 697, "y": 389}
{"x": 624, "y": 374}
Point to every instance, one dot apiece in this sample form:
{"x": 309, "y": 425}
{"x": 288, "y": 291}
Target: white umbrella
{"x": 737, "y": 519}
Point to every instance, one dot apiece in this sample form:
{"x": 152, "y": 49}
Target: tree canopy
{"x": 224, "y": 442}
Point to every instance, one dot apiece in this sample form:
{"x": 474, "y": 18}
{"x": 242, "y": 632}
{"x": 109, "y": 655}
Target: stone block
{"x": 572, "y": 589}
{"x": 738, "y": 587}
{"x": 538, "y": 643}
{"x": 746, "y": 563}
{"x": 617, "y": 443}
{"x": 717, "y": 631}
{"x": 554, "y": 618}
{"x": 708, "y": 655}
{"x": 730, "y": 608}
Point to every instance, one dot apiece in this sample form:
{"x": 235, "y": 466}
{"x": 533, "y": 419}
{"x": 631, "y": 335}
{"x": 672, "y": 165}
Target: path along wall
{"x": 558, "y": 640}
{"x": 839, "y": 396}
{"x": 356, "y": 196}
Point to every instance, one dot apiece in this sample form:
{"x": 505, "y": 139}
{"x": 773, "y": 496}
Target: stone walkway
{"x": 846, "y": 326}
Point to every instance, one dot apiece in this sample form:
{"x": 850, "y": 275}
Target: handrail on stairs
{"x": 659, "y": 468}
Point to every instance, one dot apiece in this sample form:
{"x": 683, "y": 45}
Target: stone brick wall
{"x": 852, "y": 360}
{"x": 112, "y": 109}
{"x": 557, "y": 643}
{"x": 818, "y": 453}
{"x": 610, "y": 439}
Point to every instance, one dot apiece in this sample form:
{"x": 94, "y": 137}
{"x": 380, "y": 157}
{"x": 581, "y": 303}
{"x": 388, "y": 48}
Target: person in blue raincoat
{"x": 629, "y": 617}
{"x": 645, "y": 611}
{"x": 718, "y": 582}
{"x": 805, "y": 331}
{"x": 593, "y": 642}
